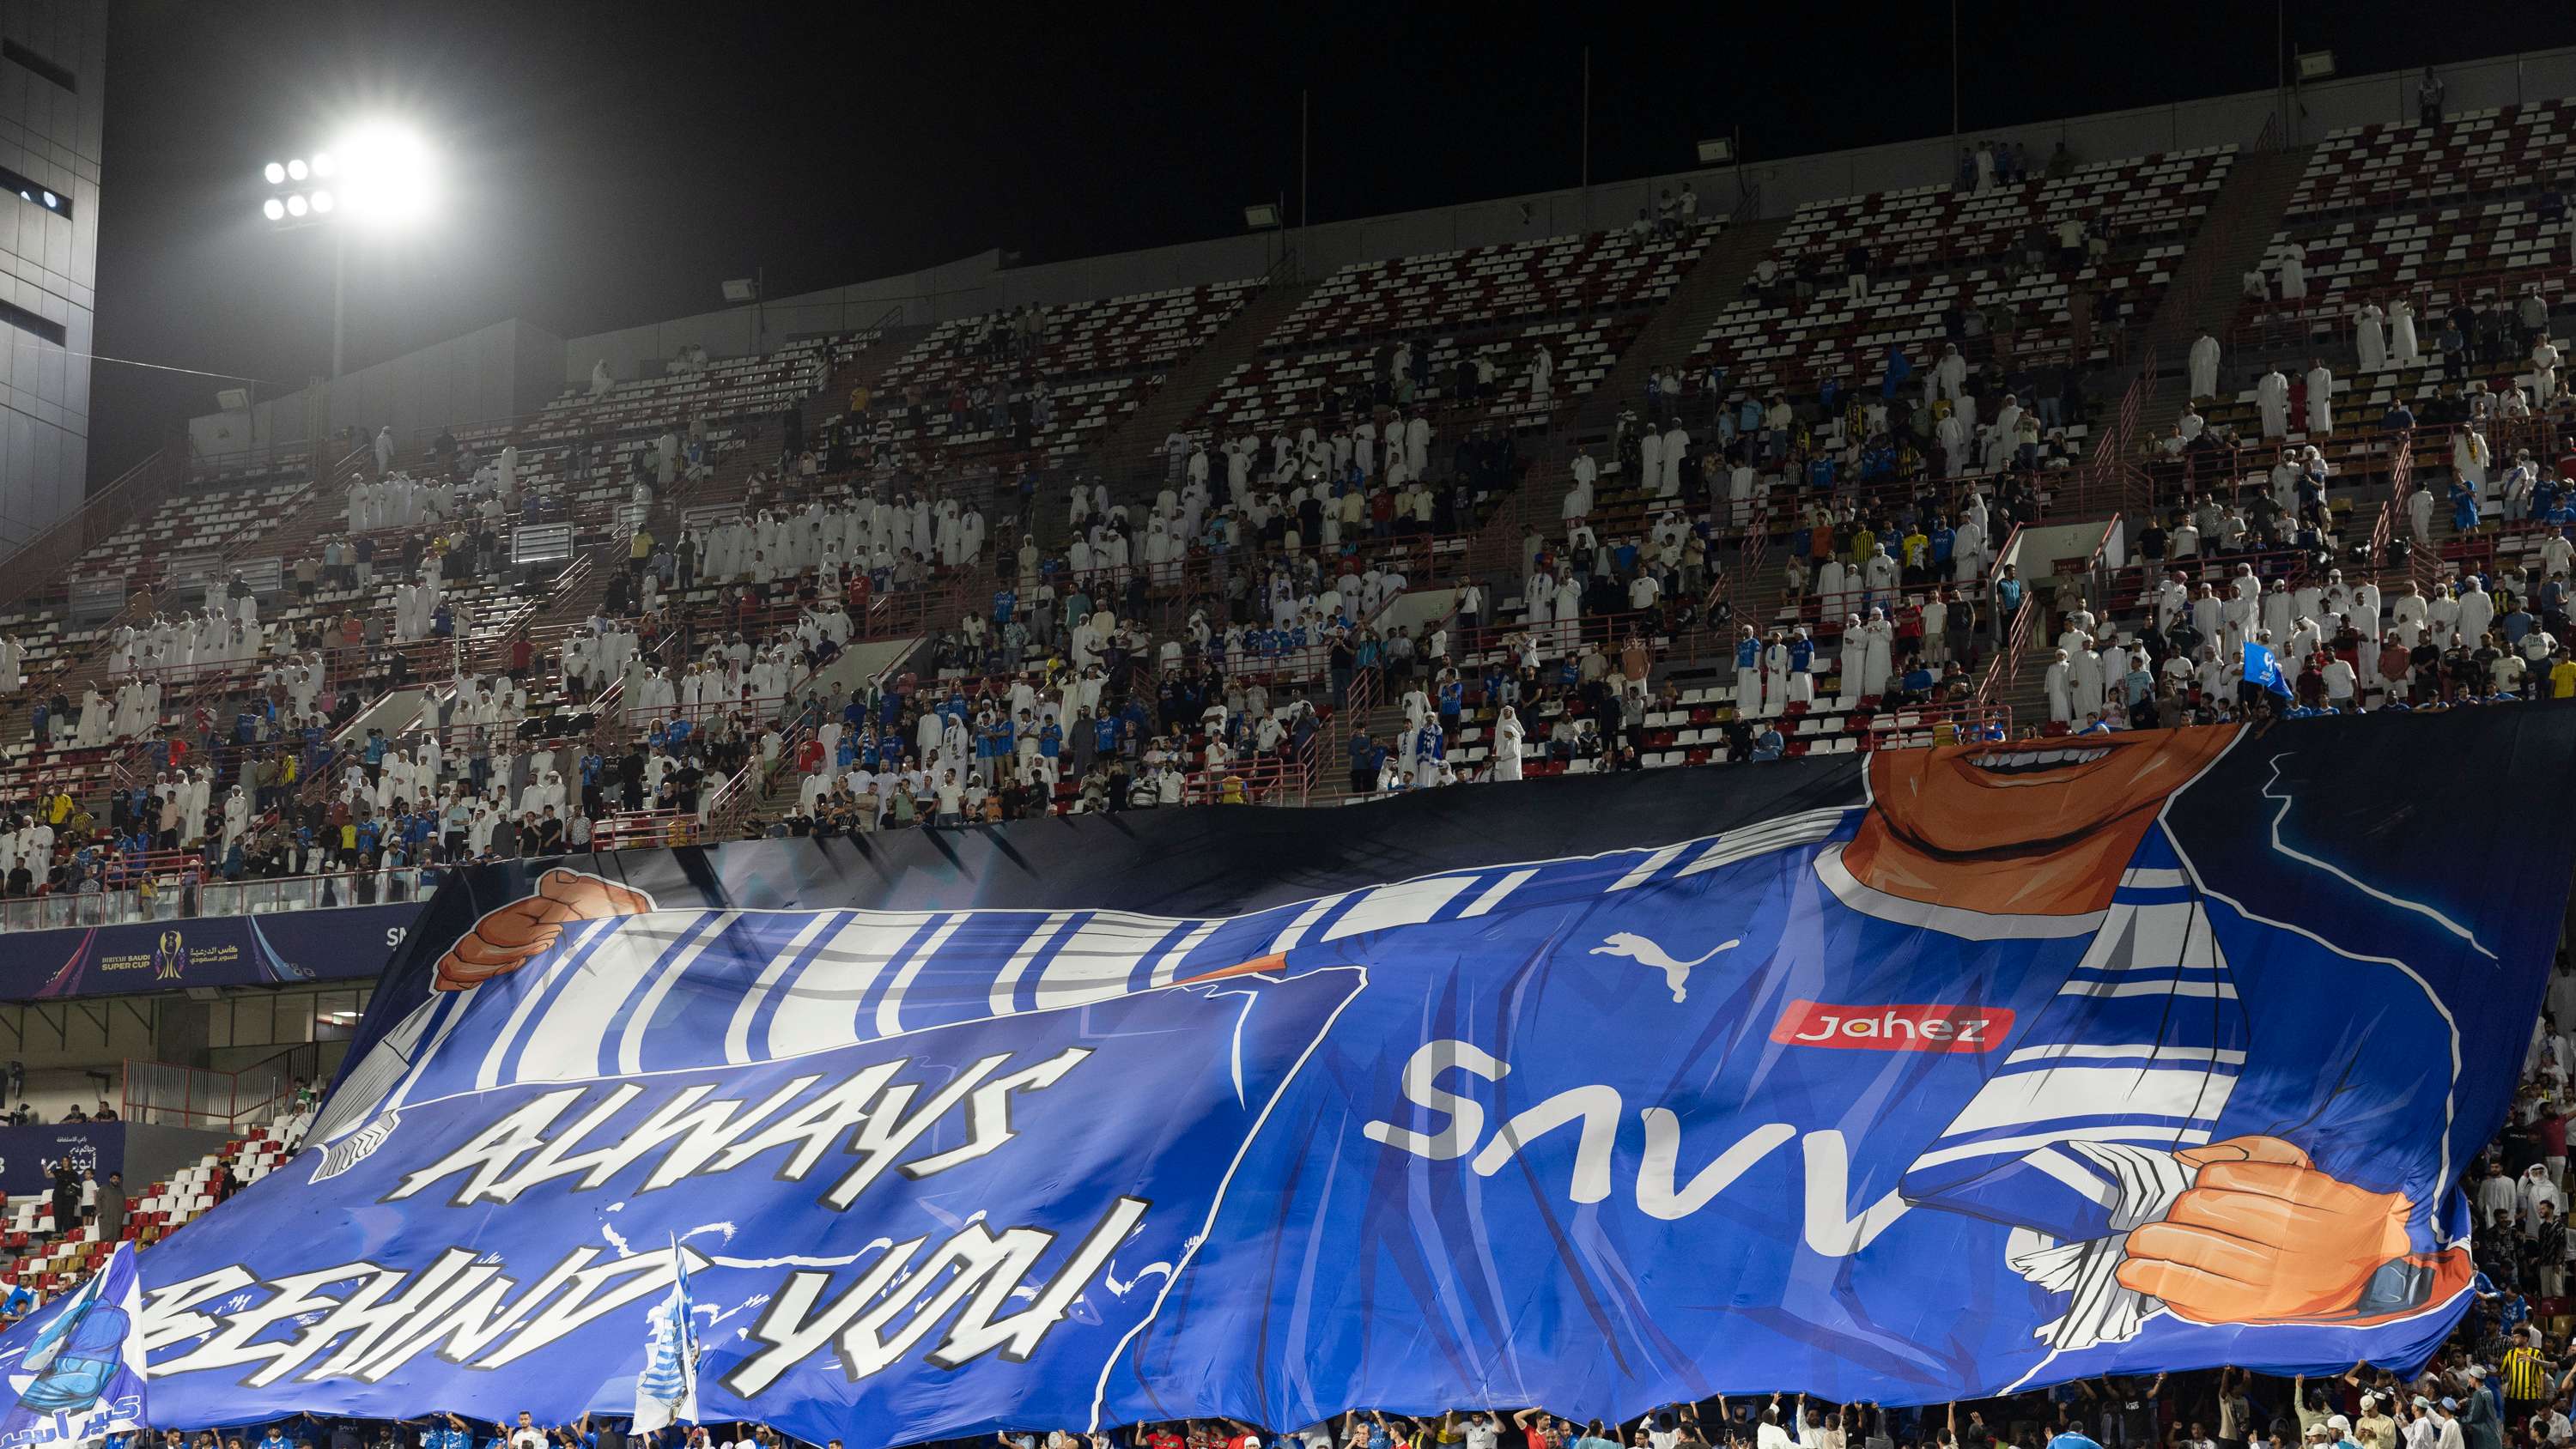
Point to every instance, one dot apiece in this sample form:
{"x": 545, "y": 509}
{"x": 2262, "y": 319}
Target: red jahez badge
{"x": 1893, "y": 1028}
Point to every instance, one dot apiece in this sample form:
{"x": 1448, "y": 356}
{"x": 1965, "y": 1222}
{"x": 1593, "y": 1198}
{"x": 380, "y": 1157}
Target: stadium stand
{"x": 666, "y": 600}
{"x": 743, "y": 608}
{"x": 1457, "y": 334}
{"x": 1042, "y": 383}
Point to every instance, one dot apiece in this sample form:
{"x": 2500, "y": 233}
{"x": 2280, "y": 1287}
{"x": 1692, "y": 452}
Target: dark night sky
{"x": 608, "y": 164}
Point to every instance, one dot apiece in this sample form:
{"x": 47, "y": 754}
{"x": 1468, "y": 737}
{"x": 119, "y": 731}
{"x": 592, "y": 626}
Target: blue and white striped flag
{"x": 666, "y": 1392}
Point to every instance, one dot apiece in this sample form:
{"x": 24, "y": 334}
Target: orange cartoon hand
{"x": 2263, "y": 1236}
{"x": 508, "y": 936}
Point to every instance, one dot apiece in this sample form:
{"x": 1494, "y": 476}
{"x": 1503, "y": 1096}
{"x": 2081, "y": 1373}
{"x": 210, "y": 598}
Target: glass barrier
{"x": 169, "y": 899}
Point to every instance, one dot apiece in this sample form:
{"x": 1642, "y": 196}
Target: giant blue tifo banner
{"x": 1909, "y": 1077}
{"x": 338, "y": 944}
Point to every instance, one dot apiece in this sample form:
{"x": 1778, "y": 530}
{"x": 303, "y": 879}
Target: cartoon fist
{"x": 506, "y": 938}
{"x": 2262, "y": 1236}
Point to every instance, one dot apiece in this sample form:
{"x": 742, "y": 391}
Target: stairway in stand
{"x": 1132, "y": 449}
{"x": 2208, "y": 282}
{"x": 2025, "y": 693}
{"x": 868, "y": 365}
{"x": 1716, "y": 279}
{"x": 1333, "y": 770}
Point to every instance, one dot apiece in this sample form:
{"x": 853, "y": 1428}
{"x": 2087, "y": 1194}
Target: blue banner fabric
{"x": 1910, "y": 1078}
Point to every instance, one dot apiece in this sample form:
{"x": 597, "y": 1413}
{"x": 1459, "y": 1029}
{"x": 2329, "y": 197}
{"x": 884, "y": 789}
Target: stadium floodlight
{"x": 2316, "y": 65}
{"x": 1262, "y": 216}
{"x": 53, "y": 202}
{"x": 1717, "y": 152}
{"x": 381, "y": 173}
{"x": 742, "y": 289}
{"x": 387, "y": 173}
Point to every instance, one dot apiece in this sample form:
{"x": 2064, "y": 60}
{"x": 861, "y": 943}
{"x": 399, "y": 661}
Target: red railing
{"x": 2101, "y": 480}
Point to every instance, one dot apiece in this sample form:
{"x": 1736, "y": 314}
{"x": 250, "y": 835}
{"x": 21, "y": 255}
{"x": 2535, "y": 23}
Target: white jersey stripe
{"x": 1097, "y": 960}
{"x": 2150, "y": 1050}
{"x": 630, "y": 1049}
{"x": 1289, "y": 939}
{"x": 738, "y": 1031}
{"x": 825, "y": 1005}
{"x": 2060, "y": 1092}
{"x": 890, "y": 1006}
{"x": 2166, "y": 986}
{"x": 562, "y": 975}
{"x": 1645, "y": 869}
{"x": 1170, "y": 965}
{"x": 1409, "y": 904}
{"x": 998, "y": 1000}
{"x": 1767, "y": 835}
{"x": 2165, "y": 1137}
{"x": 1494, "y": 894}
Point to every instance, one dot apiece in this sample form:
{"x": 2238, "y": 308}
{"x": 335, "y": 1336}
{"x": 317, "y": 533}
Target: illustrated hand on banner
{"x": 2262, "y": 1236}
{"x": 508, "y": 937}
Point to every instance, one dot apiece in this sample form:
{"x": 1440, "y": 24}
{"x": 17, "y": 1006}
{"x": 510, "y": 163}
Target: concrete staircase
{"x": 1131, "y": 452}
{"x": 1716, "y": 279}
{"x": 2206, "y": 284}
{"x": 867, "y": 365}
{"x": 2025, "y": 692}
{"x": 1333, "y": 768}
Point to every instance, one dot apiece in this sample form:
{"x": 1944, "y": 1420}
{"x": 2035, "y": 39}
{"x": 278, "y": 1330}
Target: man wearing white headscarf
{"x": 1507, "y": 745}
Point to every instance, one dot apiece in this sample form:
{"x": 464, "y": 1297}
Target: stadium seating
{"x": 1095, "y": 361}
{"x": 2127, "y": 200}
{"x": 50, "y": 1257}
{"x": 1582, "y": 297}
{"x": 1937, "y": 249}
{"x": 2405, "y": 164}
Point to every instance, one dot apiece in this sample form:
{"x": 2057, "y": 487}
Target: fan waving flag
{"x": 2263, "y": 669}
{"x": 666, "y": 1392}
{"x": 82, "y": 1377}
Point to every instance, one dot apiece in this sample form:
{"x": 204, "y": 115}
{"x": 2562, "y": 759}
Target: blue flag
{"x": 666, "y": 1391}
{"x": 82, "y": 1375}
{"x": 2262, "y": 668}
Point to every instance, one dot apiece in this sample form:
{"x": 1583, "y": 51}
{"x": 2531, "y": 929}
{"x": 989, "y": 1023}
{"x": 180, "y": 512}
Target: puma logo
{"x": 1676, "y": 972}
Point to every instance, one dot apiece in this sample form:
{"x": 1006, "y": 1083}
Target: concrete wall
{"x": 501, "y": 371}
{"x": 49, "y": 259}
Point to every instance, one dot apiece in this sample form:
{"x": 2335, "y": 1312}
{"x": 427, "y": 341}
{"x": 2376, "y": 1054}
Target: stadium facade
{"x": 53, "y": 98}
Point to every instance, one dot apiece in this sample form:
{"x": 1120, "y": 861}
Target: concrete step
{"x": 2231, "y": 240}
{"x": 1716, "y": 279}
{"x": 1130, "y": 455}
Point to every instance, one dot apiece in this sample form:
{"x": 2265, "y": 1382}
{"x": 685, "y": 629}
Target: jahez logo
{"x": 1896, "y": 1028}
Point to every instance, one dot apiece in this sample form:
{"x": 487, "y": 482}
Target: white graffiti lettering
{"x": 1598, "y": 1113}
{"x": 899, "y": 1301}
{"x": 872, "y": 1115}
